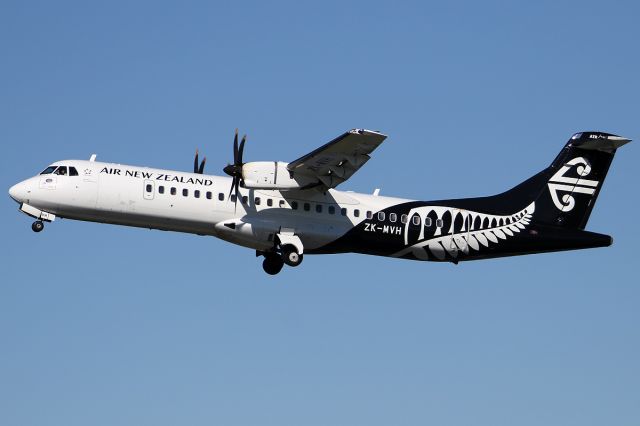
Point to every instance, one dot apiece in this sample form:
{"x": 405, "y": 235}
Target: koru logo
{"x": 561, "y": 183}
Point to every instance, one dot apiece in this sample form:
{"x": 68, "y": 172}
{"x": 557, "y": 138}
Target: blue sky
{"x": 105, "y": 325}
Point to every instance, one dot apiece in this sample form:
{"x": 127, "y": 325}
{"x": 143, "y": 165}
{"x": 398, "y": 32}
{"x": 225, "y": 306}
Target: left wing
{"x": 336, "y": 161}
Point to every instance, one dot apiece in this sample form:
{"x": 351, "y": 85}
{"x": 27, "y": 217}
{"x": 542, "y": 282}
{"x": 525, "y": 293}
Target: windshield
{"x": 62, "y": 171}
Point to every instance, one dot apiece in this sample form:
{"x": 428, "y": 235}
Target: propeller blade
{"x": 235, "y": 170}
{"x": 201, "y": 168}
{"x": 233, "y": 184}
{"x": 244, "y": 139}
{"x": 235, "y": 148}
{"x": 195, "y": 163}
{"x": 237, "y": 183}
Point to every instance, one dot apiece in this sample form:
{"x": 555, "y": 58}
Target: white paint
{"x": 122, "y": 199}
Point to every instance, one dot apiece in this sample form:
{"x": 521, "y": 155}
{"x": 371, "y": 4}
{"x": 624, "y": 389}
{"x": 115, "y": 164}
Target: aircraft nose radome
{"x": 16, "y": 192}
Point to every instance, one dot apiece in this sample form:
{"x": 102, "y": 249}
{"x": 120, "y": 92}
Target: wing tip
{"x": 367, "y": 132}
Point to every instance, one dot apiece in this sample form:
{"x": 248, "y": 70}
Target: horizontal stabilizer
{"x": 598, "y": 141}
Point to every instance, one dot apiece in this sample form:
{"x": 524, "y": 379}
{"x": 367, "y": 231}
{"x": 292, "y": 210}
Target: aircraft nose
{"x": 18, "y": 192}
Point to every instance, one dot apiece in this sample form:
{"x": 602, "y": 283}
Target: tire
{"x": 37, "y": 226}
{"x": 290, "y": 256}
{"x": 272, "y": 264}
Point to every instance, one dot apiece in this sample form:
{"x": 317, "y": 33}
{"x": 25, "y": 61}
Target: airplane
{"x": 284, "y": 211}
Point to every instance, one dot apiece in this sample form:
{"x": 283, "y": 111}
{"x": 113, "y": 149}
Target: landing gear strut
{"x": 37, "y": 226}
{"x": 272, "y": 263}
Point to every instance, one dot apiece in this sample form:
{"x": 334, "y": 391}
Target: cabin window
{"x": 403, "y": 218}
{"x": 307, "y": 207}
{"x": 62, "y": 171}
{"x": 294, "y": 205}
{"x": 343, "y": 211}
{"x": 318, "y": 208}
{"x": 369, "y": 214}
{"x": 415, "y": 220}
{"x": 173, "y": 191}
{"x": 245, "y": 199}
{"x": 185, "y": 192}
{"x": 73, "y": 171}
{"x": 221, "y": 196}
{"x": 161, "y": 189}
{"x": 209, "y": 195}
{"x": 381, "y": 216}
{"x": 196, "y": 193}
{"x": 427, "y": 221}
{"x": 48, "y": 170}
{"x": 270, "y": 202}
{"x": 332, "y": 210}
{"x": 439, "y": 223}
{"x": 281, "y": 203}
{"x": 149, "y": 187}
{"x": 356, "y": 213}
{"x": 232, "y": 198}
{"x": 393, "y": 217}
{"x": 256, "y": 201}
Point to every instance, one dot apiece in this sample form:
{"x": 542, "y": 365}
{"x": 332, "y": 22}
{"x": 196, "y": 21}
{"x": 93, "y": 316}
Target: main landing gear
{"x": 37, "y": 226}
{"x": 274, "y": 261}
{"x": 290, "y": 255}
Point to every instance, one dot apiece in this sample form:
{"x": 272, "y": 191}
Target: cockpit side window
{"x": 73, "y": 171}
{"x": 62, "y": 171}
{"x": 48, "y": 170}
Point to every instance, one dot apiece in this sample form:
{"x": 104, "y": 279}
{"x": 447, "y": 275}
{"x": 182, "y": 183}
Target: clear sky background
{"x": 104, "y": 325}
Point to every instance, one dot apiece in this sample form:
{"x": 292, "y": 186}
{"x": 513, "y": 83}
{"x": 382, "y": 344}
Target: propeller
{"x": 235, "y": 170}
{"x": 198, "y": 169}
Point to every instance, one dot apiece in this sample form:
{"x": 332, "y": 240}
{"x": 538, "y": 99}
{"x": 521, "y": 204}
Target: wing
{"x": 336, "y": 161}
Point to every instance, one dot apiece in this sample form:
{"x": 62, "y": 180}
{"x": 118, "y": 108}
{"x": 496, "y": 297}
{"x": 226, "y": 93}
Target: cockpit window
{"x": 62, "y": 171}
{"x": 48, "y": 170}
{"x": 73, "y": 171}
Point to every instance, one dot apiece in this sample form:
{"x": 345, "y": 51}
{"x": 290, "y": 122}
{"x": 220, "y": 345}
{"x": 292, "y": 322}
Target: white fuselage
{"x": 194, "y": 203}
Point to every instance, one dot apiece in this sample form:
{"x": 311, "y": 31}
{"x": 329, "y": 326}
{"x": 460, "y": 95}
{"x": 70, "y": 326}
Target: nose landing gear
{"x": 37, "y": 226}
{"x": 37, "y": 214}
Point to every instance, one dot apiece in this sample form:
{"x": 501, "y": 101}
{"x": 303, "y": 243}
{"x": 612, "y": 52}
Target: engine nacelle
{"x": 271, "y": 175}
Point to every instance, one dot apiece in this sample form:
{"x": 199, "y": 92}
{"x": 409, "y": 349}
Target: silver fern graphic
{"x": 478, "y": 230}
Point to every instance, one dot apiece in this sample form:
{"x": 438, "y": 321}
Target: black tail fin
{"x": 575, "y": 179}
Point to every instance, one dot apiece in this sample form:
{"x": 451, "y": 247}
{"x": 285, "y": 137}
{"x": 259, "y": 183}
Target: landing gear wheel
{"x": 290, "y": 256}
{"x": 272, "y": 264}
{"x": 37, "y": 226}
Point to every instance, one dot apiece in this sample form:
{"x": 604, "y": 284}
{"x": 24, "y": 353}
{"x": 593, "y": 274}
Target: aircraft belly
{"x": 259, "y": 231}
{"x": 318, "y": 235}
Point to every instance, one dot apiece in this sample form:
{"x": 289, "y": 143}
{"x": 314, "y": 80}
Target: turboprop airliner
{"x": 284, "y": 211}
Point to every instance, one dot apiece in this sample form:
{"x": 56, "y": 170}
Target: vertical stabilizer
{"x": 576, "y": 178}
